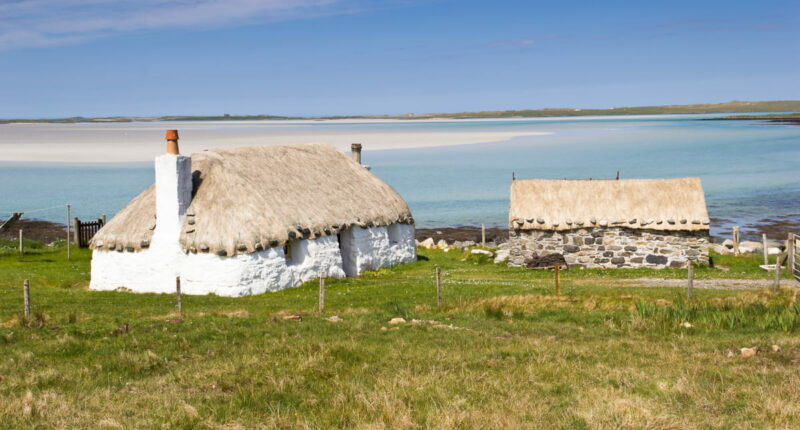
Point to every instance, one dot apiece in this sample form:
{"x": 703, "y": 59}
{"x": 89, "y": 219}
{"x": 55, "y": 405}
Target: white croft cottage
{"x": 242, "y": 221}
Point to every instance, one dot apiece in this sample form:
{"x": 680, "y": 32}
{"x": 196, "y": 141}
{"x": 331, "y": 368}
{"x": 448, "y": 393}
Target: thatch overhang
{"x": 248, "y": 199}
{"x": 653, "y": 204}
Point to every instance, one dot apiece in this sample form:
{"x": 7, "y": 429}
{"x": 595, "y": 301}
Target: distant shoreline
{"x": 774, "y": 228}
{"x": 729, "y": 107}
{"x": 786, "y": 119}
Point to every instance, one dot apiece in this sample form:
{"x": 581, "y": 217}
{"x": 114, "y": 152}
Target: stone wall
{"x": 611, "y": 247}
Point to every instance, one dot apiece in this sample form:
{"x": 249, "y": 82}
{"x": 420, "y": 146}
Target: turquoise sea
{"x": 749, "y": 169}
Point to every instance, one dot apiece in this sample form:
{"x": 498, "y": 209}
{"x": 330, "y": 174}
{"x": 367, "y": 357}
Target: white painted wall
{"x": 255, "y": 273}
{"x": 153, "y": 269}
{"x": 259, "y": 272}
{"x": 376, "y": 247}
{"x": 144, "y": 271}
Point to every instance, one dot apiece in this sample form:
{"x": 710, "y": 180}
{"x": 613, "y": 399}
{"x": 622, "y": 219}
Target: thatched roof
{"x": 250, "y": 198}
{"x": 657, "y": 204}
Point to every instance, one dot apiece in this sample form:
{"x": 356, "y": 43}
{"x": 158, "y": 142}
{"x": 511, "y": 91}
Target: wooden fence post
{"x": 26, "y": 291}
{"x": 21, "y": 246}
{"x": 69, "y": 215}
{"x": 690, "y": 279}
{"x": 483, "y": 235}
{"x": 322, "y": 291}
{"x": 790, "y": 256}
{"x": 776, "y": 281}
{"x": 558, "y": 280}
{"x": 736, "y": 240}
{"x": 76, "y": 232}
{"x": 179, "y": 302}
{"x": 764, "y": 248}
{"x": 439, "y": 293}
{"x": 103, "y": 218}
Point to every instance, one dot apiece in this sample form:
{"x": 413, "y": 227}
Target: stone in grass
{"x": 334, "y": 319}
{"x": 293, "y": 318}
{"x": 482, "y": 252}
{"x": 686, "y": 324}
{"x": 441, "y": 244}
{"x": 398, "y": 320}
{"x": 427, "y": 243}
{"x": 749, "y": 352}
{"x": 190, "y": 410}
{"x": 720, "y": 249}
{"x": 776, "y": 348}
{"x": 502, "y": 255}
{"x": 749, "y": 246}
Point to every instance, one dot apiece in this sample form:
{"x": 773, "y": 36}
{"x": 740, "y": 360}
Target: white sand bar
{"x": 138, "y": 141}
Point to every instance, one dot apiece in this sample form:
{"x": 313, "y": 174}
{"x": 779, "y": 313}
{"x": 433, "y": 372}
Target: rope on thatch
{"x": 249, "y": 198}
{"x": 659, "y": 204}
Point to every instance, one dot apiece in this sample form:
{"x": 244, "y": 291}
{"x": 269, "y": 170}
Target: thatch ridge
{"x": 654, "y": 204}
{"x": 251, "y": 198}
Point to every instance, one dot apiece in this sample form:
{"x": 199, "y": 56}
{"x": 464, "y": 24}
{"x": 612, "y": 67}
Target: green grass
{"x": 9, "y": 247}
{"x": 505, "y": 352}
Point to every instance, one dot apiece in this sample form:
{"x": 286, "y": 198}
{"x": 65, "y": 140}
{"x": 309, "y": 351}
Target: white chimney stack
{"x": 173, "y": 191}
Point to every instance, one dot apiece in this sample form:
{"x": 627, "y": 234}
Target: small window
{"x": 295, "y": 252}
{"x": 394, "y": 234}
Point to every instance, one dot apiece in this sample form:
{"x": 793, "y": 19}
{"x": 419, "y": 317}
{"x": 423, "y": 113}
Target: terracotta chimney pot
{"x": 172, "y": 142}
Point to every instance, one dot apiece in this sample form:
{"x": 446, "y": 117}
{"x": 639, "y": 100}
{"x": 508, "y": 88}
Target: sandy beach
{"x": 138, "y": 141}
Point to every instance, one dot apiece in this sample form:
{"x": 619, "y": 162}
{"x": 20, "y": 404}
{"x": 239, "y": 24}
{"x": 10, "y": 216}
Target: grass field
{"x": 502, "y": 352}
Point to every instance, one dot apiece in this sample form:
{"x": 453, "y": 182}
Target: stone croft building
{"x": 247, "y": 220}
{"x": 609, "y": 223}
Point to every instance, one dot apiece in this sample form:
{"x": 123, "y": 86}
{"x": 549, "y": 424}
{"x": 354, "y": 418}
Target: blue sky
{"x": 339, "y": 57}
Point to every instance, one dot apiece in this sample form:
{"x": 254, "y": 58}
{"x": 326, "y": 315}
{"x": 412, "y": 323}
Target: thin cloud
{"x": 32, "y": 23}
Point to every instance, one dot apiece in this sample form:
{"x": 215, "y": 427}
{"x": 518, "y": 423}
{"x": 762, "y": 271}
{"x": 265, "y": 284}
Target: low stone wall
{"x": 611, "y": 247}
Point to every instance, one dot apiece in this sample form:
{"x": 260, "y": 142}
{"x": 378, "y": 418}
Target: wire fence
{"x": 442, "y": 287}
{"x": 436, "y": 295}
